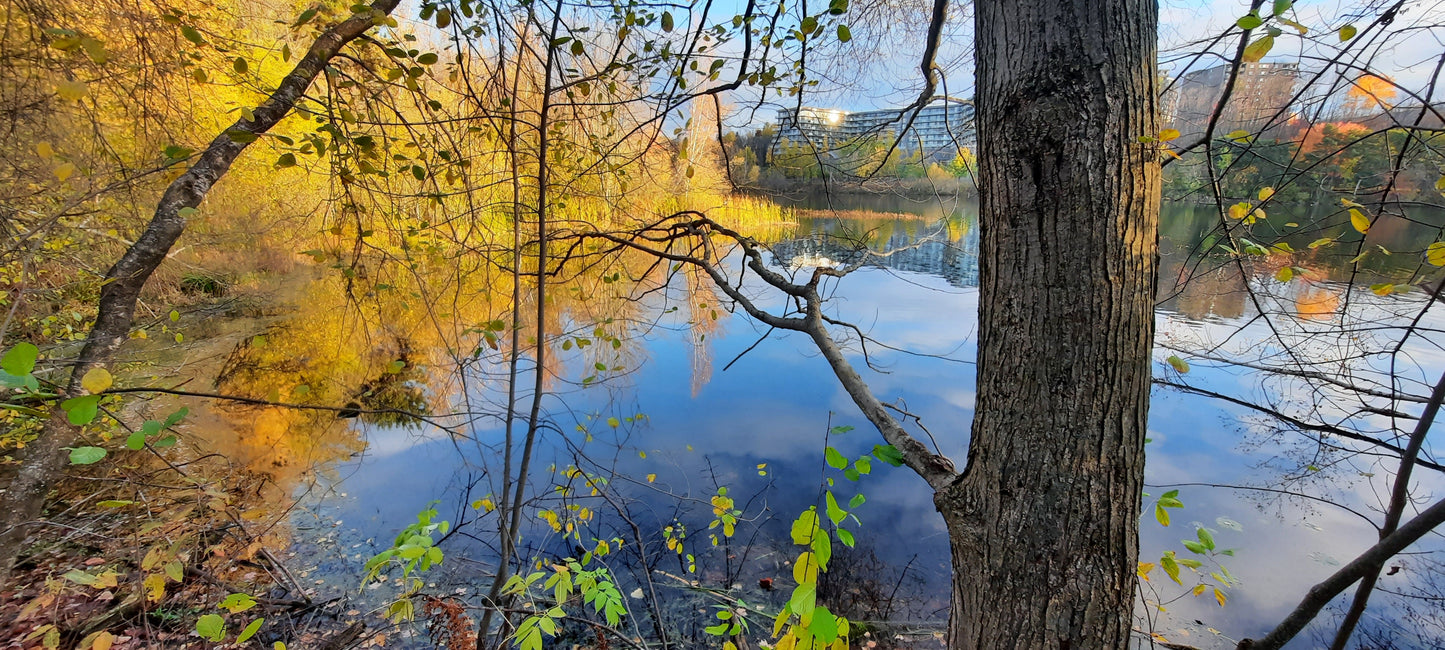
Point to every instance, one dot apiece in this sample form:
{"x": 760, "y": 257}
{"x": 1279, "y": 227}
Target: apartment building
{"x": 939, "y": 130}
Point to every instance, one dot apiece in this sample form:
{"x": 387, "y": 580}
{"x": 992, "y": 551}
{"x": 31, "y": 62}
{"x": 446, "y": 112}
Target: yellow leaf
{"x": 71, "y": 90}
{"x": 1298, "y": 27}
{"x": 103, "y": 641}
{"x": 805, "y": 570}
{"x": 1219, "y": 596}
{"x": 1144, "y": 569}
{"x": 1284, "y": 274}
{"x": 1265, "y": 193}
{"x": 1350, "y": 204}
{"x": 65, "y": 171}
{"x": 1435, "y": 253}
{"x": 97, "y": 380}
{"x": 47, "y": 152}
{"x": 1168, "y": 134}
{"x": 155, "y": 585}
{"x": 651, "y": 478}
{"x": 106, "y": 580}
{"x": 1440, "y": 185}
{"x": 1256, "y": 50}
{"x": 1383, "y": 288}
{"x": 1323, "y": 241}
{"x": 1199, "y": 589}
{"x": 1359, "y": 221}
{"x": 1238, "y": 210}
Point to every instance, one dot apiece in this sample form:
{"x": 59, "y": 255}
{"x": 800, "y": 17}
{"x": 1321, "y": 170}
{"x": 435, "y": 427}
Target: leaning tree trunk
{"x": 1044, "y": 522}
{"x": 44, "y": 460}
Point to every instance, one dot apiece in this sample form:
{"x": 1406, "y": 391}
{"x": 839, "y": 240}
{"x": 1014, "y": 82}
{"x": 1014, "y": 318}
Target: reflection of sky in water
{"x": 772, "y": 407}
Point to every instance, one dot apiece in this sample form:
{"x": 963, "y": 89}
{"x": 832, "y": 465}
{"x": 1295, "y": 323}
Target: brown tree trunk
{"x": 1044, "y": 522}
{"x": 44, "y": 460}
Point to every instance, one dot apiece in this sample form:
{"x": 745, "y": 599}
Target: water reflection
{"x": 638, "y": 398}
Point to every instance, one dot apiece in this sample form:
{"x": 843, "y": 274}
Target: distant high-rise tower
{"x": 1260, "y": 92}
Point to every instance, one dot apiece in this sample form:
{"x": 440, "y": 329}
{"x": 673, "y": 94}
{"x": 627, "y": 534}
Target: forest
{"x": 721, "y": 324}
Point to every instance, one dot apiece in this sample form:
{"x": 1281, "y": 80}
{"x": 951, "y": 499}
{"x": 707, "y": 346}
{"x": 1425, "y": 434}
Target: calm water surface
{"x": 702, "y": 426}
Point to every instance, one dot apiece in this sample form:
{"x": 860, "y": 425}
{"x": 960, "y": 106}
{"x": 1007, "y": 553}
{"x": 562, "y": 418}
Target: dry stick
{"x": 1399, "y": 498}
{"x": 1322, "y": 593}
{"x": 124, "y": 281}
{"x": 519, "y": 491}
{"x": 504, "y": 507}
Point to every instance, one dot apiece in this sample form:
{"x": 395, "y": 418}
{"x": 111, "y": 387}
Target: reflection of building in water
{"x": 1317, "y": 302}
{"x": 939, "y": 131}
{"x": 1218, "y": 292}
{"x": 1261, "y": 90}
{"x": 927, "y": 249}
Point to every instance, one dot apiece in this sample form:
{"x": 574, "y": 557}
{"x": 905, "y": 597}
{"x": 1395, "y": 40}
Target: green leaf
{"x": 888, "y": 454}
{"x": 1281, "y": 6}
{"x": 427, "y": 59}
{"x": 667, "y": 21}
{"x": 211, "y": 627}
{"x": 844, "y": 34}
{"x": 286, "y": 160}
{"x": 1161, "y": 514}
{"x": 1171, "y": 567}
{"x": 20, "y": 360}
{"x": 835, "y": 459}
{"x": 81, "y": 410}
{"x": 240, "y": 65}
{"x": 175, "y": 418}
{"x": 845, "y": 537}
{"x": 192, "y": 35}
{"x": 114, "y": 503}
{"x": 835, "y": 514}
{"x": 236, "y": 603}
{"x": 250, "y": 630}
{"x": 803, "y": 600}
{"x": 1348, "y": 32}
{"x": 1194, "y": 547}
{"x": 1206, "y": 538}
{"x": 857, "y": 500}
{"x": 1181, "y": 366}
{"x": 305, "y": 17}
{"x": 1249, "y": 21}
{"x": 135, "y": 441}
{"x": 824, "y": 625}
{"x": 822, "y": 548}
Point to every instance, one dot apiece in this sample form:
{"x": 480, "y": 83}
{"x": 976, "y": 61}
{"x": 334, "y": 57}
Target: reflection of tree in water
{"x": 873, "y": 592}
{"x": 392, "y": 398}
{"x": 947, "y": 249}
{"x": 705, "y": 325}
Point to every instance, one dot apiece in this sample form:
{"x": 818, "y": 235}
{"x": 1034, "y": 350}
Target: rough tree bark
{"x": 1043, "y": 523}
{"x": 45, "y": 459}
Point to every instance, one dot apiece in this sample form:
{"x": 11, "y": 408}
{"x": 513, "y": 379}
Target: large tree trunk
{"x": 1044, "y": 522}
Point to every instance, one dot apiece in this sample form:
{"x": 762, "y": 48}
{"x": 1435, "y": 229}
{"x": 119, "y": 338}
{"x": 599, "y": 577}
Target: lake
{"x": 663, "y": 398}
